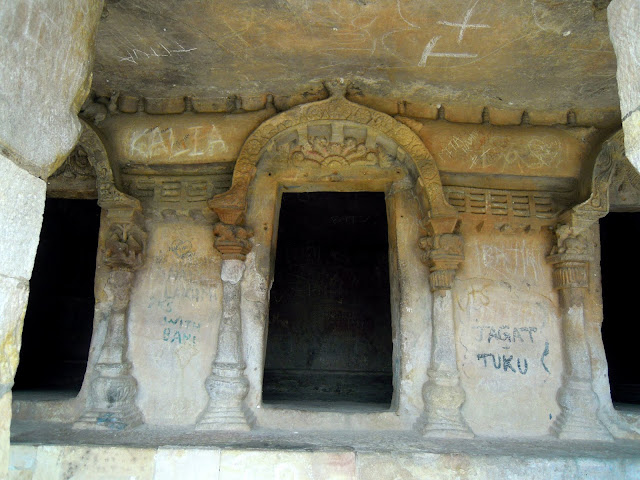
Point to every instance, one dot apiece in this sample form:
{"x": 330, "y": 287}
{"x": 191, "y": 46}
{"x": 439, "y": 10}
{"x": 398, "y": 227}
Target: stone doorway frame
{"x": 335, "y": 145}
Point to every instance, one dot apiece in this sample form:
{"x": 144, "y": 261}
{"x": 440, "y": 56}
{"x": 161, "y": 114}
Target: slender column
{"x": 111, "y": 400}
{"x": 443, "y": 395}
{"x": 227, "y": 384}
{"x": 579, "y": 404}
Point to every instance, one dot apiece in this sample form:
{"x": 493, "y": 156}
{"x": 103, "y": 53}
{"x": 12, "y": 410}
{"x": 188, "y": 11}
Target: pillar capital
{"x": 232, "y": 241}
{"x": 570, "y": 259}
{"x": 443, "y": 255}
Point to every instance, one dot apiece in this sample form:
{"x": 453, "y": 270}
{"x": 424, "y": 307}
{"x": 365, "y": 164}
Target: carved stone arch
{"x": 232, "y": 205}
{"x": 109, "y": 195}
{"x": 610, "y": 157}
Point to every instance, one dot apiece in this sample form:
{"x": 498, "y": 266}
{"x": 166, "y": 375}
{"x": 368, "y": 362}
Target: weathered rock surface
{"x": 545, "y": 56}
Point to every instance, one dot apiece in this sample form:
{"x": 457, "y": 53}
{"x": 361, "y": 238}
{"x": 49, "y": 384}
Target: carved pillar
{"x": 111, "y": 400}
{"x": 443, "y": 395}
{"x": 227, "y": 385}
{"x": 579, "y": 404}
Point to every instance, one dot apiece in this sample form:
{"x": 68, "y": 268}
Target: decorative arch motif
{"x": 109, "y": 196}
{"x": 231, "y": 205}
{"x": 582, "y": 216}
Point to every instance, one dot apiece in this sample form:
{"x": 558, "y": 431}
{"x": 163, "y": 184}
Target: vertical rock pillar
{"x": 443, "y": 395}
{"x": 111, "y": 400}
{"x": 579, "y": 404}
{"x": 227, "y": 384}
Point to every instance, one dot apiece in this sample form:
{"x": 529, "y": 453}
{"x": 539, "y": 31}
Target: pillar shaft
{"x": 111, "y": 400}
{"x": 227, "y": 384}
{"x": 443, "y": 395}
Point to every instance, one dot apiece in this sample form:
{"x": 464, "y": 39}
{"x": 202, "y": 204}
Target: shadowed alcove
{"x": 329, "y": 339}
{"x": 59, "y": 320}
{"x": 618, "y": 236}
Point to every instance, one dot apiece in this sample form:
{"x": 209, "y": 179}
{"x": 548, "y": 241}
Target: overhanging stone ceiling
{"x": 545, "y": 57}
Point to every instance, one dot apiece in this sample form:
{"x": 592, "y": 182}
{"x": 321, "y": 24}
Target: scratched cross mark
{"x": 464, "y": 25}
{"x": 428, "y": 52}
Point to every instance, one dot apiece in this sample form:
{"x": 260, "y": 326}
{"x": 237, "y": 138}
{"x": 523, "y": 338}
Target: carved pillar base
{"x": 444, "y": 397}
{"x": 578, "y": 419}
{"x": 225, "y": 410}
{"x": 112, "y": 394}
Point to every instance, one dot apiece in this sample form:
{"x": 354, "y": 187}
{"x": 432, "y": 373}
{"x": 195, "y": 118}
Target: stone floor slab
{"x": 283, "y": 465}
{"x": 187, "y": 464}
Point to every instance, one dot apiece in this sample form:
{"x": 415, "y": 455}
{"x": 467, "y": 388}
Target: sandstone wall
{"x": 46, "y": 50}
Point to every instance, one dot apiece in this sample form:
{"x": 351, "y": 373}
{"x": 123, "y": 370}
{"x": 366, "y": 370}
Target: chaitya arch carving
{"x": 232, "y": 205}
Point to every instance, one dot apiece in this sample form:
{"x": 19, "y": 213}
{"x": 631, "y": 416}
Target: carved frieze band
{"x": 176, "y": 189}
{"x": 503, "y": 203}
{"x": 570, "y": 275}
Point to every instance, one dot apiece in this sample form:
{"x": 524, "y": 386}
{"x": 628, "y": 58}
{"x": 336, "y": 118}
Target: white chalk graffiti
{"x": 517, "y": 261}
{"x": 464, "y": 25}
{"x": 134, "y": 55}
{"x": 497, "y": 151}
{"x": 197, "y": 141}
{"x": 428, "y": 52}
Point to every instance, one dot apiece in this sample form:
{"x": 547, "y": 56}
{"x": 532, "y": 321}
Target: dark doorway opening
{"x": 619, "y": 233}
{"x": 329, "y": 342}
{"x": 59, "y": 320}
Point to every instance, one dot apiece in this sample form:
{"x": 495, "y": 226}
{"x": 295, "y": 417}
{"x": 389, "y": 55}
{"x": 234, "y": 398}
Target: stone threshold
{"x": 273, "y": 458}
{"x": 410, "y": 442}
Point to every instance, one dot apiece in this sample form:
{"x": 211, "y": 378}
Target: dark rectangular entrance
{"x": 618, "y": 236}
{"x": 329, "y": 340}
{"x": 59, "y": 320}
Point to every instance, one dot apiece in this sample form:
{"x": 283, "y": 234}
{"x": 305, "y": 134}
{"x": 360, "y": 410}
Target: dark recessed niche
{"x": 620, "y": 261}
{"x": 329, "y": 339}
{"x": 59, "y": 319}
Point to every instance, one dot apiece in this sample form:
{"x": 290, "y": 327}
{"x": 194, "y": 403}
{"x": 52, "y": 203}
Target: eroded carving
{"x": 227, "y": 384}
{"x": 123, "y": 245}
{"x": 76, "y": 165}
{"x": 504, "y": 203}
